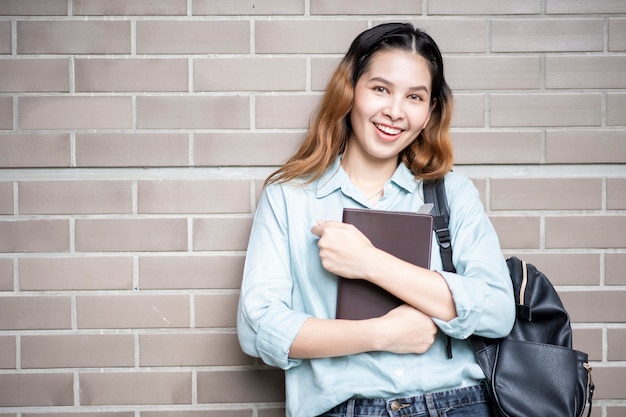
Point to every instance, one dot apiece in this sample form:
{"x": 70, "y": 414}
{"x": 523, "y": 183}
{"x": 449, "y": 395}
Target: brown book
{"x": 407, "y": 236}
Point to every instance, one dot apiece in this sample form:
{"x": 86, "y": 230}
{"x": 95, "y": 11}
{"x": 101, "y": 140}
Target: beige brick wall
{"x": 134, "y": 136}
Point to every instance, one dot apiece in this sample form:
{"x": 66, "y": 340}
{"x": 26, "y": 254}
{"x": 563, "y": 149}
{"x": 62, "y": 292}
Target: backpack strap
{"x": 435, "y": 193}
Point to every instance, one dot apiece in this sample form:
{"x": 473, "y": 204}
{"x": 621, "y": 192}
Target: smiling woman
{"x": 382, "y": 128}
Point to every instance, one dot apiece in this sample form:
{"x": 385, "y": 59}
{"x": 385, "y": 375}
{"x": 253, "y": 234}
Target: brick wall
{"x": 134, "y": 136}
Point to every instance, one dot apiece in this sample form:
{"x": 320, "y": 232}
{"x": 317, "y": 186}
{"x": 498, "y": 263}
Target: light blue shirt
{"x": 284, "y": 283}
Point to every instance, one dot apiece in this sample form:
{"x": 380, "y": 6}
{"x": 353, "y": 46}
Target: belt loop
{"x": 350, "y": 406}
{"x": 430, "y": 405}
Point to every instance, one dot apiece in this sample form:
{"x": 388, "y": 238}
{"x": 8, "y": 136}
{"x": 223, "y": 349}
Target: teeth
{"x": 388, "y": 130}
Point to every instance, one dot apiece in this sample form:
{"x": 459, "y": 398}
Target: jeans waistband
{"x": 421, "y": 404}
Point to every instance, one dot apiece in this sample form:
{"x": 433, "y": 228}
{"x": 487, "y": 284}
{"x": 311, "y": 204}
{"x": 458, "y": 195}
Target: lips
{"x": 393, "y": 131}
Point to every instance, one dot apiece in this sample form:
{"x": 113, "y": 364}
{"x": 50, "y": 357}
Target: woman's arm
{"x": 345, "y": 251}
{"x": 402, "y": 330}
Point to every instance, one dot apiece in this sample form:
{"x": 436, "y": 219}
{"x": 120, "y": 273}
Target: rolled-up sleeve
{"x": 481, "y": 287}
{"x": 266, "y": 323}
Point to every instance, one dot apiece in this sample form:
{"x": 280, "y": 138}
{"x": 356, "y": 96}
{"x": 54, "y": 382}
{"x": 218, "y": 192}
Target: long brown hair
{"x": 429, "y": 156}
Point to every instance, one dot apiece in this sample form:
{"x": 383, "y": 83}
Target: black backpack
{"x": 532, "y": 372}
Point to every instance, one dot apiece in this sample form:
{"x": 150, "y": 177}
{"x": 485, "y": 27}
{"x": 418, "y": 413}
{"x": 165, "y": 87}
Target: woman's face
{"x": 391, "y": 105}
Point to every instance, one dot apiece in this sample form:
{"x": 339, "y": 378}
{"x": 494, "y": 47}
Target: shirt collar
{"x": 335, "y": 178}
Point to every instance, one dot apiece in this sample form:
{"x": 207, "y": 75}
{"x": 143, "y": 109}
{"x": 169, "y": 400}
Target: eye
{"x": 414, "y": 97}
{"x": 381, "y": 89}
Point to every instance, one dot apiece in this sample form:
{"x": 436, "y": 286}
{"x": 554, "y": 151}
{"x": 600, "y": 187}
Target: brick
{"x": 75, "y": 112}
{"x": 585, "y": 72}
{"x": 588, "y": 341}
{"x": 481, "y": 186}
{"x": 585, "y": 232}
{"x": 34, "y": 150}
{"x": 6, "y": 113}
{"x": 271, "y": 412}
{"x": 129, "y": 388}
{"x": 469, "y": 110}
{"x": 276, "y": 36}
{"x": 77, "y": 351}
{"x": 567, "y": 268}
{"x": 610, "y": 379}
{"x": 615, "y": 265}
{"x": 125, "y": 8}
{"x": 616, "y": 109}
{"x": 616, "y": 193}
{"x": 193, "y": 112}
{"x": 35, "y": 313}
{"x": 447, "y": 33}
{"x": 84, "y": 414}
{"x": 6, "y": 198}
{"x": 612, "y": 411}
{"x": 132, "y": 311}
{"x": 585, "y": 146}
{"x": 245, "y": 149}
{"x": 367, "y": 7}
{"x": 547, "y": 35}
{"x": 195, "y": 349}
{"x": 216, "y": 310}
{"x": 517, "y": 232}
{"x": 34, "y": 75}
{"x": 37, "y": 389}
{"x": 483, "y": 7}
{"x": 221, "y": 233}
{"x": 33, "y": 8}
{"x": 242, "y": 74}
{"x": 322, "y": 69}
{"x": 204, "y": 413}
{"x": 147, "y": 74}
{"x": 497, "y": 147}
{"x": 617, "y": 34}
{"x": 584, "y": 7}
{"x": 34, "y": 236}
{"x": 541, "y": 109}
{"x": 5, "y": 37}
{"x": 546, "y": 194}
{"x": 7, "y": 352}
{"x": 75, "y": 197}
{"x": 617, "y": 341}
{"x": 73, "y": 37}
{"x": 287, "y": 112}
{"x": 492, "y": 73}
{"x": 241, "y": 386}
{"x": 595, "y": 306}
{"x": 121, "y": 235}
{"x": 6, "y": 274}
{"x": 193, "y": 37}
{"x": 132, "y": 149}
{"x": 248, "y": 7}
{"x": 184, "y": 272}
{"x": 76, "y": 273}
{"x": 193, "y": 196}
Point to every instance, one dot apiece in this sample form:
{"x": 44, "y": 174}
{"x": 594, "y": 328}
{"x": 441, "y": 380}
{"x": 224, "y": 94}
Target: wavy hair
{"x": 429, "y": 156}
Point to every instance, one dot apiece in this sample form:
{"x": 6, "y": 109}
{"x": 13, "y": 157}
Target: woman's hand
{"x": 405, "y": 329}
{"x": 344, "y": 250}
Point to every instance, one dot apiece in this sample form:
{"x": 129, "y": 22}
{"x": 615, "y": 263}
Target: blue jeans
{"x": 463, "y": 402}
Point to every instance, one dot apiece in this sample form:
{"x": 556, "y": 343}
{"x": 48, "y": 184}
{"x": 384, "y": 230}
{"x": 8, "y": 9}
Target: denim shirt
{"x": 284, "y": 283}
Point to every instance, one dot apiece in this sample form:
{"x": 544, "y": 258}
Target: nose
{"x": 394, "y": 109}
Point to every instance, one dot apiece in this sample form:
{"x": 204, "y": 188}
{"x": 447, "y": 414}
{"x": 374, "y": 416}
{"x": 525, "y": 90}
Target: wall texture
{"x": 135, "y": 134}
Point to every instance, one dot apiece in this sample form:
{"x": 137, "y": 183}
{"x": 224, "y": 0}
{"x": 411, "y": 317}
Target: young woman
{"x": 382, "y": 128}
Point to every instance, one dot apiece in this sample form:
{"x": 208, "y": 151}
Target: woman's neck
{"x": 369, "y": 175}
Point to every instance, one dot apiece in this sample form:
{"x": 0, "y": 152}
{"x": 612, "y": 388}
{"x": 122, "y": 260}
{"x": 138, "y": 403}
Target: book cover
{"x": 406, "y": 235}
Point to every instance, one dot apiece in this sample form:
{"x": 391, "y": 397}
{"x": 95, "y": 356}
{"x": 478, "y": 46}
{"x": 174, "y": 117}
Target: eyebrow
{"x": 389, "y": 83}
